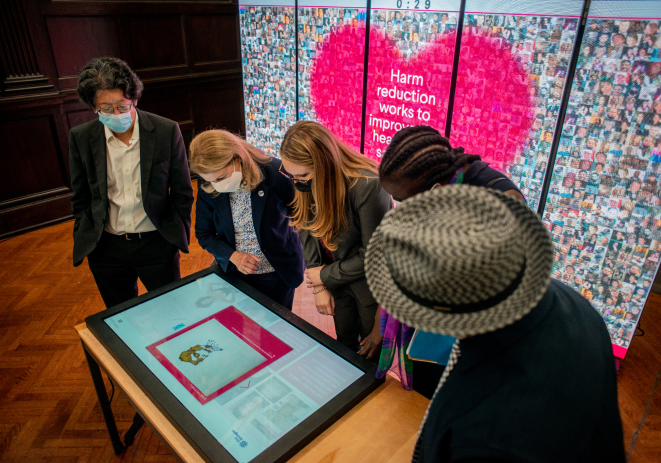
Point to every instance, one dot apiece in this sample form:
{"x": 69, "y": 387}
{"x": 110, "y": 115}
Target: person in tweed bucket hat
{"x": 531, "y": 377}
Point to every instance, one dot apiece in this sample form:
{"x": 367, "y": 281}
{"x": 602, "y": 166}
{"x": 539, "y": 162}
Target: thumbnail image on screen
{"x": 411, "y": 51}
{"x": 268, "y": 41}
{"x": 244, "y": 373}
{"x": 604, "y": 203}
{"x": 331, "y": 55}
{"x": 511, "y": 77}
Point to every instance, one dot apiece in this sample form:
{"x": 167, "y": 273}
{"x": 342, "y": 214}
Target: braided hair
{"x": 423, "y": 156}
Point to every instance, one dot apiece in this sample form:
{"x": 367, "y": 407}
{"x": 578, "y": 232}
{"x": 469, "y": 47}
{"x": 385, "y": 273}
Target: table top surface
{"x": 383, "y": 427}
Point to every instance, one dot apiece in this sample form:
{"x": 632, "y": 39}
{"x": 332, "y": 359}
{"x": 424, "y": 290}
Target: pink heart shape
{"x": 336, "y": 83}
{"x": 493, "y": 101}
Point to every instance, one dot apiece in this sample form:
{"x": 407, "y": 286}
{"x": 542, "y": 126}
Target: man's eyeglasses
{"x": 124, "y": 108}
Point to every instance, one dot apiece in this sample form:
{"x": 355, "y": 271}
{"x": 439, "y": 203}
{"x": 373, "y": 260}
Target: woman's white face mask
{"x": 230, "y": 184}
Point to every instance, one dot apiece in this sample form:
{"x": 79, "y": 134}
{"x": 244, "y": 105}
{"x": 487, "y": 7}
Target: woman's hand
{"x": 324, "y": 302}
{"x": 246, "y": 263}
{"x": 313, "y": 276}
{"x": 372, "y": 343}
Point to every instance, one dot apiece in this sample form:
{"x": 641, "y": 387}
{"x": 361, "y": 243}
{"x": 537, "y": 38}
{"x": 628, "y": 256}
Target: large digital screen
{"x": 268, "y": 43}
{"x": 331, "y": 58}
{"x": 513, "y": 65}
{"x": 604, "y": 205}
{"x": 411, "y": 52}
{"x": 243, "y": 372}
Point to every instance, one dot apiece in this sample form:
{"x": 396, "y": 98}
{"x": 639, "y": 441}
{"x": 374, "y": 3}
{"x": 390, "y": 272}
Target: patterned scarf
{"x": 397, "y": 336}
{"x": 396, "y": 339}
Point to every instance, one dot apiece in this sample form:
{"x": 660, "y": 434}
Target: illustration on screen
{"x": 208, "y": 370}
{"x": 198, "y": 352}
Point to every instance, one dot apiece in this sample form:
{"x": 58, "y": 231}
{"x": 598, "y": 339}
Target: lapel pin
{"x": 260, "y": 193}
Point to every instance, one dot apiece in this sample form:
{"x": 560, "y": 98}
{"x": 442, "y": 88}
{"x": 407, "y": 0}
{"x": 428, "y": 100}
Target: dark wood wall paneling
{"x": 187, "y": 54}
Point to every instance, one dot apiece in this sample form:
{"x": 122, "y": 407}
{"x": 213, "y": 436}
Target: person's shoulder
{"x": 270, "y": 171}
{"x": 484, "y": 171}
{"x": 200, "y": 191}
{"x": 366, "y": 184}
{"x": 87, "y": 128}
{"x": 272, "y": 166}
{"x": 577, "y": 310}
{"x": 562, "y": 290}
{"x": 159, "y": 122}
{"x": 365, "y": 189}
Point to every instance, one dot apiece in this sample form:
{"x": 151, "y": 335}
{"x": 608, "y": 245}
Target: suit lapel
{"x": 99, "y": 155}
{"x": 221, "y": 204}
{"x": 258, "y": 199}
{"x": 147, "y": 149}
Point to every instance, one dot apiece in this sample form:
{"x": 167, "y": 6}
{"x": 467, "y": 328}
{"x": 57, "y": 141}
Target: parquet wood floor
{"x": 49, "y": 411}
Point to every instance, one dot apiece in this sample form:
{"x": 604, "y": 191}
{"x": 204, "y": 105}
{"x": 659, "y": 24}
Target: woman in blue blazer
{"x": 242, "y": 214}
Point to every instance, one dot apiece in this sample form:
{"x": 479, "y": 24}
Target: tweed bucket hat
{"x": 459, "y": 260}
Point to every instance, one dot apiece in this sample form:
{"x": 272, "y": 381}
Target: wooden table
{"x": 382, "y": 428}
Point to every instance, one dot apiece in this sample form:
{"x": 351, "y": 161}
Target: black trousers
{"x": 117, "y": 263}
{"x": 353, "y": 320}
{"x": 272, "y": 286}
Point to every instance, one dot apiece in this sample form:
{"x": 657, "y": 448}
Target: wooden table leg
{"x": 100, "y": 387}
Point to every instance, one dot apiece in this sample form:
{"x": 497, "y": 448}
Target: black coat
{"x": 214, "y": 227}
{"x": 167, "y": 192}
{"x": 542, "y": 390}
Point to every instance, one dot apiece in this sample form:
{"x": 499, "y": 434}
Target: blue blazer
{"x": 270, "y": 199}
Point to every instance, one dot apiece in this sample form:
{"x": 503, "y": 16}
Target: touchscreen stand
{"x": 240, "y": 377}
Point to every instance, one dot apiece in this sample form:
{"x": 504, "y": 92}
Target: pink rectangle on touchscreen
{"x": 263, "y": 342}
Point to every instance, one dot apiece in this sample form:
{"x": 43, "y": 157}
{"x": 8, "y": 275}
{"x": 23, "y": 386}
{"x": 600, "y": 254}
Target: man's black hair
{"x": 107, "y": 74}
{"x": 423, "y": 156}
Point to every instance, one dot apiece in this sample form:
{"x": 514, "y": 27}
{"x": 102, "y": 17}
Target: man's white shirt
{"x": 126, "y": 213}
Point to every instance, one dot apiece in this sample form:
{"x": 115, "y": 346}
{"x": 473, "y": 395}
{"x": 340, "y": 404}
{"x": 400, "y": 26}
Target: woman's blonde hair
{"x": 336, "y": 169}
{"x": 215, "y": 149}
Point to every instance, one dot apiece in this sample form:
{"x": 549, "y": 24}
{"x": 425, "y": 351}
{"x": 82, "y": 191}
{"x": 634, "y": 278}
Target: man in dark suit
{"x": 132, "y": 194}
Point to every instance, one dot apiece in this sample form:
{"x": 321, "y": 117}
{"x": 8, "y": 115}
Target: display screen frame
{"x": 209, "y": 448}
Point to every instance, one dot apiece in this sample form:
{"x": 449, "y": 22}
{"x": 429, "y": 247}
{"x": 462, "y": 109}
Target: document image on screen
{"x": 215, "y": 354}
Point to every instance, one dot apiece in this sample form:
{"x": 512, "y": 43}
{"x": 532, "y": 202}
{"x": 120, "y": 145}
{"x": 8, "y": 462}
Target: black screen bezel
{"x": 192, "y": 430}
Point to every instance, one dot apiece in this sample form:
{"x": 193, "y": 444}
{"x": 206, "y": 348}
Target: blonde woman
{"x": 242, "y": 214}
{"x": 339, "y": 203}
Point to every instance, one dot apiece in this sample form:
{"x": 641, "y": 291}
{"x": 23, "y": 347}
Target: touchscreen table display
{"x": 244, "y": 373}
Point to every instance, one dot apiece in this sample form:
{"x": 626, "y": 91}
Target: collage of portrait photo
{"x": 604, "y": 204}
{"x": 343, "y": 31}
{"x": 411, "y": 30}
{"x": 268, "y": 42}
{"x": 543, "y": 46}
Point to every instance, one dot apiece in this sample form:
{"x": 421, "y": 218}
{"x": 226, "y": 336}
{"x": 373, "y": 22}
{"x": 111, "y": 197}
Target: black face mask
{"x": 304, "y": 187}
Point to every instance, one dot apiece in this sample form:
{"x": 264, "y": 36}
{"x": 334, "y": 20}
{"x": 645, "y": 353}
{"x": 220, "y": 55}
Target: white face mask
{"x": 230, "y": 184}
